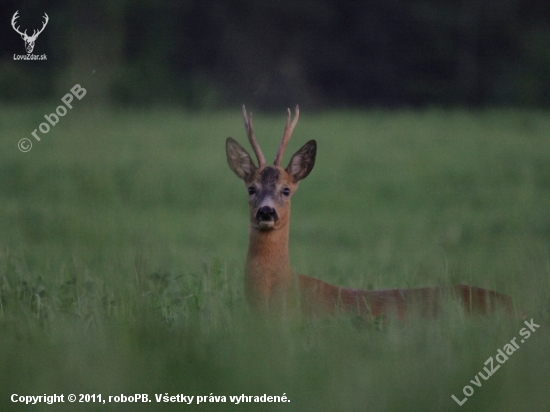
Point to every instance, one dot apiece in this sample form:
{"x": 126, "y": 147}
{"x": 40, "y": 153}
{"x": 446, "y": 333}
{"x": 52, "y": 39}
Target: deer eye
{"x": 286, "y": 191}
{"x": 251, "y": 190}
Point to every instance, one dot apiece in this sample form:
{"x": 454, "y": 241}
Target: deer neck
{"x": 268, "y": 275}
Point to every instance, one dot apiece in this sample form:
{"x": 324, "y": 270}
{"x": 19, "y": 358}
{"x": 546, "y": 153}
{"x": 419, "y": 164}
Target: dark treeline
{"x": 320, "y": 53}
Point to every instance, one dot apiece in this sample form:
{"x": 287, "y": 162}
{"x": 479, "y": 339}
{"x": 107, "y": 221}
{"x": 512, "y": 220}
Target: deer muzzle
{"x": 266, "y": 216}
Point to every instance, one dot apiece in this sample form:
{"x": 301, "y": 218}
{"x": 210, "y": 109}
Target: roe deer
{"x": 270, "y": 282}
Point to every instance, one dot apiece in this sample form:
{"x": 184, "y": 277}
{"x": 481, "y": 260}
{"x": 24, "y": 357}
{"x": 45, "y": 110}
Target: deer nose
{"x": 266, "y": 213}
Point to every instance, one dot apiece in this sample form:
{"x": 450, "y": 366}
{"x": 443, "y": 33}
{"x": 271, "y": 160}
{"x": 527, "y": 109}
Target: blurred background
{"x": 123, "y": 233}
{"x": 322, "y": 53}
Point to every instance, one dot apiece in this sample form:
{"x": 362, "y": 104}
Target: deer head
{"x": 29, "y": 40}
{"x": 270, "y": 187}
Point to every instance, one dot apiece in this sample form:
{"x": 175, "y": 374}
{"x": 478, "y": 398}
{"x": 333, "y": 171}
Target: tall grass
{"x": 123, "y": 236}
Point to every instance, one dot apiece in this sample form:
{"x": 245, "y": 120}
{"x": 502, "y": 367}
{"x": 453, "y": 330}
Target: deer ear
{"x": 238, "y": 159}
{"x": 303, "y": 161}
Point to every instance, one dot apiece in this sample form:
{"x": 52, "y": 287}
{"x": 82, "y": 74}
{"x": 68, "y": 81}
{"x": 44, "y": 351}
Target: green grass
{"x": 123, "y": 237}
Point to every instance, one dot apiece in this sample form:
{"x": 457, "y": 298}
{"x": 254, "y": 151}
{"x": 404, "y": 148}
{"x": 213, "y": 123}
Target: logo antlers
{"x": 29, "y": 40}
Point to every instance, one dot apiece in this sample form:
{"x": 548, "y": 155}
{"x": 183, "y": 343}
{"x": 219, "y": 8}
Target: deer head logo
{"x": 29, "y": 40}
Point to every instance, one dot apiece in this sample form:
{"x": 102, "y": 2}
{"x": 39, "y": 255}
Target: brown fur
{"x": 272, "y": 285}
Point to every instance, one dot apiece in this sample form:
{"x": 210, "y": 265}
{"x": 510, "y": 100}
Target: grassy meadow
{"x": 123, "y": 236}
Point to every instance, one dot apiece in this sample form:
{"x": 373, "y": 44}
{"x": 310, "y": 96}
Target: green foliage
{"x": 123, "y": 238}
{"x": 323, "y": 53}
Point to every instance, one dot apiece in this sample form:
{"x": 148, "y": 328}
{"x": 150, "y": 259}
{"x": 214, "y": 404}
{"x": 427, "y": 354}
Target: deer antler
{"x": 14, "y": 18}
{"x": 286, "y": 136}
{"x": 35, "y": 33}
{"x": 250, "y": 133}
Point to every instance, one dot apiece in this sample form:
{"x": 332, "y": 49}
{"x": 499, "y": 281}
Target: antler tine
{"x": 289, "y": 128}
{"x": 46, "y": 20}
{"x": 44, "y": 24}
{"x": 253, "y": 142}
{"x": 14, "y": 22}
